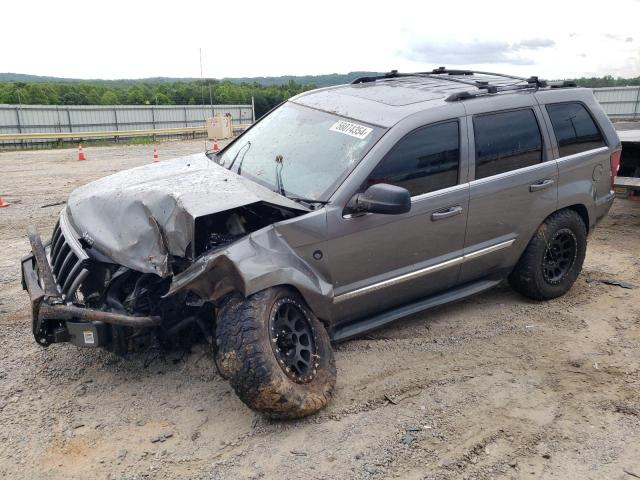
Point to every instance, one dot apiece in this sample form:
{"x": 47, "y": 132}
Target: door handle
{"x": 541, "y": 185}
{"x": 451, "y": 212}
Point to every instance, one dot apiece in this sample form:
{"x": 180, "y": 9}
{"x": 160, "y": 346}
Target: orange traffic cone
{"x": 215, "y": 147}
{"x": 155, "y": 154}
{"x": 81, "y": 153}
{"x": 3, "y": 203}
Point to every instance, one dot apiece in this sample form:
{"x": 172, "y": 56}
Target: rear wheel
{"x": 276, "y": 354}
{"x": 553, "y": 259}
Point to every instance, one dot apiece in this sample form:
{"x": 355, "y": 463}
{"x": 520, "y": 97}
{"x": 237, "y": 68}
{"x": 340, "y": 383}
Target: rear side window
{"x": 506, "y": 141}
{"x": 424, "y": 161}
{"x": 574, "y": 128}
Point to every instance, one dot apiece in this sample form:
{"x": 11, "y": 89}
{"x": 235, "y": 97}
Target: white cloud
{"x": 476, "y": 51}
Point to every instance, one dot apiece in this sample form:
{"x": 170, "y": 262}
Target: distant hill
{"x": 317, "y": 80}
{"x": 23, "y": 77}
{"x": 307, "y": 80}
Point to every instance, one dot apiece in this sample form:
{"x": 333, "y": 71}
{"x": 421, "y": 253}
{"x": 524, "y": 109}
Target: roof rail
{"x": 532, "y": 83}
{"x": 484, "y": 87}
{"x": 391, "y": 74}
{"x": 444, "y": 70}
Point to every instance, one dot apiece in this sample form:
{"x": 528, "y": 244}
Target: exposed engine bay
{"x": 220, "y": 229}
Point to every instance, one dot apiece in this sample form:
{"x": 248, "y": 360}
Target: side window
{"x": 506, "y": 141}
{"x": 574, "y": 128}
{"x": 426, "y": 160}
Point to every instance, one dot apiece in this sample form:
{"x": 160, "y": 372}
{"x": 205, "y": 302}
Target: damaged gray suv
{"x": 340, "y": 211}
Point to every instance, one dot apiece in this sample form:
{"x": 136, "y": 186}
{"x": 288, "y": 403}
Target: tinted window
{"x": 574, "y": 128}
{"x": 424, "y": 161}
{"x": 506, "y": 141}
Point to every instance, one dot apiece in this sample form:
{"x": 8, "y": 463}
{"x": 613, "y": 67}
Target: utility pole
{"x": 211, "y": 100}
{"x": 202, "y": 98}
{"x": 201, "y": 79}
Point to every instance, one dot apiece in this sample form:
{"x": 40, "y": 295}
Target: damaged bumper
{"x": 54, "y": 316}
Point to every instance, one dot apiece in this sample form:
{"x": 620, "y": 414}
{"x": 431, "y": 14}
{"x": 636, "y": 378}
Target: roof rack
{"x": 484, "y": 87}
{"x": 391, "y": 74}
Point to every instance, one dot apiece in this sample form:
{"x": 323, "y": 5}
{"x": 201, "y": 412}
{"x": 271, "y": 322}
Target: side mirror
{"x": 382, "y": 198}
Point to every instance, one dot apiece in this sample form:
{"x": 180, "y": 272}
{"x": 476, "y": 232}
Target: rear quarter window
{"x": 574, "y": 128}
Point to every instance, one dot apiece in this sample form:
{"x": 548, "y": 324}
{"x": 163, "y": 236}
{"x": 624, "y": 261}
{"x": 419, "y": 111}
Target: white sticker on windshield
{"x": 352, "y": 129}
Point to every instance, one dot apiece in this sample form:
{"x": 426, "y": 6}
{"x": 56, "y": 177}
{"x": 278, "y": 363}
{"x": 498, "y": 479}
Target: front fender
{"x": 260, "y": 260}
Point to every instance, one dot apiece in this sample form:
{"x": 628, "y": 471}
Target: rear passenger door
{"x": 514, "y": 184}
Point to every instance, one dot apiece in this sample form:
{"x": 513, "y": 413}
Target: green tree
{"x": 37, "y": 94}
{"x": 132, "y": 92}
{"x": 162, "y": 99}
{"x": 109, "y": 98}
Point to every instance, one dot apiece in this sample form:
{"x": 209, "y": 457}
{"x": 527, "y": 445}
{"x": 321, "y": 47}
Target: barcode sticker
{"x": 352, "y": 129}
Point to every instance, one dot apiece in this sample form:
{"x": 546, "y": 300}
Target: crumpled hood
{"x": 138, "y": 217}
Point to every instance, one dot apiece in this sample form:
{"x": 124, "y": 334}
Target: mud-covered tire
{"x": 531, "y": 277}
{"x": 225, "y": 316}
{"x": 246, "y": 357}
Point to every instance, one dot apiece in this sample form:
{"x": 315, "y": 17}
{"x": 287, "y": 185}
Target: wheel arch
{"x": 581, "y": 210}
{"x": 259, "y": 261}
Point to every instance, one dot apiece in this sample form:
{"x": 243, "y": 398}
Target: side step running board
{"x": 358, "y": 327}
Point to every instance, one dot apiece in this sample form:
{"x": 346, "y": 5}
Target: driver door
{"x": 378, "y": 261}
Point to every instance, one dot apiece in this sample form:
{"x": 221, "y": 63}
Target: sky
{"x": 137, "y": 39}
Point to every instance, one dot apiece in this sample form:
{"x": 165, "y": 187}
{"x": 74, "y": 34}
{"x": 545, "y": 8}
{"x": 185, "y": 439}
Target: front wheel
{"x": 276, "y": 354}
{"x": 553, "y": 259}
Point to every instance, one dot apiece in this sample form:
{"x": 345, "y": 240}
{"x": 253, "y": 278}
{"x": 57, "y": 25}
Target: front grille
{"x": 68, "y": 260}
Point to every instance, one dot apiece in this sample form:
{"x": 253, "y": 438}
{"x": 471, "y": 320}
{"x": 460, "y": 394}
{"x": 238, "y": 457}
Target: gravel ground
{"x": 496, "y": 386}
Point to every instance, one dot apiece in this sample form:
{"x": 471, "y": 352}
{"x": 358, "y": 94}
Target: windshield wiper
{"x": 238, "y": 153}
{"x": 280, "y": 186}
{"x": 243, "y": 155}
{"x": 310, "y": 201}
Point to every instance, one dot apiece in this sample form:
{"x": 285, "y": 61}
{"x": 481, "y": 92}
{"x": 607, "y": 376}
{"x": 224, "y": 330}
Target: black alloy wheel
{"x": 559, "y": 256}
{"x": 293, "y": 340}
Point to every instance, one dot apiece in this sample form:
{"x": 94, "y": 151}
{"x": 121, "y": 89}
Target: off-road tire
{"x": 225, "y": 315}
{"x": 246, "y": 357}
{"x": 528, "y": 277}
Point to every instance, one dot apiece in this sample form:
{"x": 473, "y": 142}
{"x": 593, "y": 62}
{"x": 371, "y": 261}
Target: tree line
{"x": 191, "y": 92}
{"x": 607, "y": 81}
{"x": 197, "y": 92}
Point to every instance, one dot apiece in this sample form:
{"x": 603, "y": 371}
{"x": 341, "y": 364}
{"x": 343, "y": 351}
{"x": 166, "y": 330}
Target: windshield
{"x": 300, "y": 152}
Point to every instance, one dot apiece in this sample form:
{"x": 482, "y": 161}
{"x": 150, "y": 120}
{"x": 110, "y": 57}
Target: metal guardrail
{"x": 38, "y": 126}
{"x": 619, "y": 102}
{"x": 53, "y": 136}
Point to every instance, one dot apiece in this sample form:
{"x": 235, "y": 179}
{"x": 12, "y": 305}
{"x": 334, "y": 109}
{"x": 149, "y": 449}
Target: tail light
{"x": 615, "y": 165}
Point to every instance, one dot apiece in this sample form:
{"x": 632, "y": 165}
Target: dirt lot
{"x": 493, "y": 387}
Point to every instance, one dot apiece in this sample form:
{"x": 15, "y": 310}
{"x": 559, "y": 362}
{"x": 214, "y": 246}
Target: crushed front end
{"x": 105, "y": 278}
{"x": 79, "y": 297}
